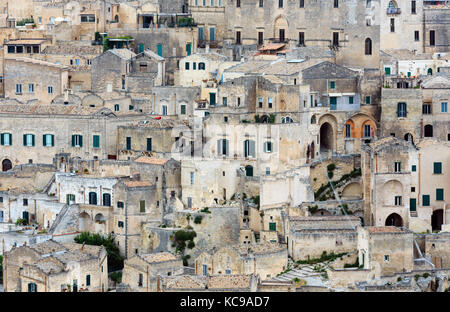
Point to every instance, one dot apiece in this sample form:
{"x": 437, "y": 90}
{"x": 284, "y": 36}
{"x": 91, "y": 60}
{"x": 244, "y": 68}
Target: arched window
{"x": 368, "y": 46}
{"x": 428, "y": 131}
{"x": 201, "y": 66}
{"x": 92, "y": 198}
{"x": 106, "y": 199}
{"x": 313, "y": 120}
{"x": 286, "y": 119}
{"x": 249, "y": 171}
{"x": 116, "y": 107}
{"x": 348, "y": 132}
{"x": 116, "y": 18}
{"x": 429, "y": 71}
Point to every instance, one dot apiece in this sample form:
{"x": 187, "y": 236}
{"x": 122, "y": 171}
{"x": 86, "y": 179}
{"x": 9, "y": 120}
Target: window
{"x": 186, "y": 65}
{"x": 224, "y": 101}
{"x": 159, "y": 49}
{"x": 335, "y": 39}
{"x": 392, "y": 25}
{"x": 92, "y": 198}
{"x": 25, "y": 201}
{"x": 6, "y": 139}
{"x": 32, "y": 287}
{"x": 336, "y": 3}
{"x": 238, "y": 3}
{"x": 444, "y": 107}
{"x": 301, "y": 38}
{"x": 439, "y": 194}
{"x": 222, "y": 147}
{"x": 164, "y": 110}
{"x": 413, "y": 189}
{"x": 225, "y": 119}
{"x": 31, "y": 88}
{"x": 401, "y": 110}
{"x": 269, "y": 102}
{"x": 189, "y": 199}
{"x": 413, "y": 7}
{"x": 119, "y": 204}
{"x": 350, "y": 100}
{"x": 19, "y": 49}
{"x": 183, "y": 109}
{"x": 428, "y": 131}
{"x": 249, "y": 148}
{"x": 437, "y": 168}
{"x": 77, "y": 140}
{"x": 367, "y": 131}
{"x": 107, "y": 199}
{"x": 280, "y": 3}
{"x": 128, "y": 142}
{"x": 116, "y": 107}
{"x": 142, "y": 206}
{"x": 398, "y": 200}
{"x": 120, "y": 224}
{"x": 88, "y": 280}
{"x": 260, "y": 102}
{"x": 149, "y": 144}
{"x": 84, "y": 19}
{"x": 227, "y": 271}
{"x": 425, "y": 200}
{"x": 347, "y": 131}
{"x": 268, "y": 148}
{"x": 212, "y": 36}
{"x": 141, "y": 277}
{"x": 48, "y": 140}
{"x": 18, "y": 88}
{"x": 332, "y": 84}
{"x": 416, "y": 35}
{"x": 50, "y": 90}
{"x": 426, "y": 109}
{"x": 432, "y": 38}
{"x": 192, "y": 178}
{"x": 302, "y": 4}
{"x": 413, "y": 168}
{"x": 260, "y": 38}
{"x": 368, "y": 46}
{"x": 368, "y": 99}
{"x": 386, "y": 258}
{"x": 130, "y": 107}
{"x": 28, "y": 140}
{"x": 397, "y": 166}
{"x": 238, "y": 101}
{"x": 201, "y": 66}
{"x": 387, "y": 71}
{"x": 238, "y": 37}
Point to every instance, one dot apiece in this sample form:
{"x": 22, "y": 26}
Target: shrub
{"x": 416, "y": 277}
{"x": 205, "y": 210}
{"x": 116, "y": 276}
{"x": 181, "y": 237}
{"x": 198, "y": 219}
{"x": 399, "y": 279}
{"x": 313, "y": 209}
{"x": 21, "y": 221}
{"x": 330, "y": 174}
{"x": 331, "y": 167}
{"x": 185, "y": 260}
{"x": 191, "y": 245}
{"x": 425, "y": 275}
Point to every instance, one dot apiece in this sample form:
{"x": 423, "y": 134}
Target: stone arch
{"x": 394, "y": 219}
{"x": 409, "y": 137}
{"x": 264, "y": 119}
{"x": 326, "y": 137}
{"x": 372, "y": 125}
{"x": 116, "y": 18}
{"x": 92, "y": 99}
{"x": 437, "y": 219}
{"x": 349, "y": 123}
{"x": 99, "y": 218}
{"x": 313, "y": 120}
{"x": 352, "y": 190}
{"x": 280, "y": 23}
{"x": 85, "y": 222}
{"x": 6, "y": 164}
{"x": 391, "y": 189}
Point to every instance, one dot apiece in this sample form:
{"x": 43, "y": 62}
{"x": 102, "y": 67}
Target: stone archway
{"x": 326, "y": 137}
{"x": 85, "y": 222}
{"x": 280, "y": 28}
{"x": 394, "y": 219}
{"x": 408, "y": 137}
{"x": 6, "y": 165}
{"x": 437, "y": 219}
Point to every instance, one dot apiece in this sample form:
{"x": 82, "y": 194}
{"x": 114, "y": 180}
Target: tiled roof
{"x": 137, "y": 183}
{"x": 272, "y": 46}
{"x": 158, "y": 257}
{"x": 71, "y": 49}
{"x": 237, "y": 281}
{"x": 384, "y": 229}
{"x": 185, "y": 282}
{"x": 152, "y": 161}
{"x": 123, "y": 53}
{"x": 35, "y": 61}
{"x": 47, "y": 247}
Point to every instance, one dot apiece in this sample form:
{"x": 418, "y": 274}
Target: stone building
{"x": 386, "y": 249}
{"x": 263, "y": 259}
{"x": 24, "y": 80}
{"x": 56, "y": 267}
{"x": 216, "y": 283}
{"x": 309, "y": 237}
{"x": 142, "y": 272}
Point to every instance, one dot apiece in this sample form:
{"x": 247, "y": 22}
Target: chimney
{"x": 207, "y": 48}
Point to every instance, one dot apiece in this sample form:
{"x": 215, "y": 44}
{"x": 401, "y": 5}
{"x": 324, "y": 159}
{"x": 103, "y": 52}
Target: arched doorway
{"x": 249, "y": 171}
{"x": 280, "y": 28}
{"x": 326, "y": 137}
{"x": 6, "y": 165}
{"x": 85, "y": 222}
{"x": 409, "y": 138}
{"x": 437, "y": 218}
{"x": 428, "y": 131}
{"x": 394, "y": 220}
{"x": 264, "y": 119}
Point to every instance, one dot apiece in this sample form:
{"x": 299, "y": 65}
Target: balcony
{"x": 393, "y": 11}
{"x": 213, "y": 44}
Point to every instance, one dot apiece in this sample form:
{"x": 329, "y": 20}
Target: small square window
{"x": 386, "y": 258}
{"x": 414, "y": 168}
{"x": 25, "y": 201}
{"x": 413, "y": 189}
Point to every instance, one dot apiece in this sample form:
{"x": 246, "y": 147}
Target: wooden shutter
{"x": 2, "y": 140}
{"x": 24, "y": 140}
{"x": 81, "y": 140}
{"x": 73, "y": 140}
{"x": 53, "y": 140}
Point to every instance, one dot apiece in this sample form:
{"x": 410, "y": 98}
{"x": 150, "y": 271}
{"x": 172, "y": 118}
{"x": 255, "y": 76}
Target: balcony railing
{"x": 393, "y": 10}
{"x": 214, "y": 44}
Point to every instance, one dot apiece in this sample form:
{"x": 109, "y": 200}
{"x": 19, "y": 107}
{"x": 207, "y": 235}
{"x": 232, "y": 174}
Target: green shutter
{"x": 188, "y": 49}
{"x": 160, "y": 51}
{"x": 272, "y": 226}
{"x": 32, "y": 140}
{"x": 142, "y": 205}
{"x": 53, "y": 140}
{"x": 413, "y": 169}
{"x": 219, "y": 147}
{"x": 425, "y": 200}
{"x": 332, "y": 84}
{"x": 96, "y": 141}
{"x": 412, "y": 204}
{"x": 81, "y": 141}
{"x": 10, "y": 138}
{"x": 439, "y": 194}
{"x": 2, "y": 140}
{"x": 437, "y": 168}
{"x": 24, "y": 140}
{"x": 43, "y": 140}
{"x": 387, "y": 70}
{"x": 73, "y": 140}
